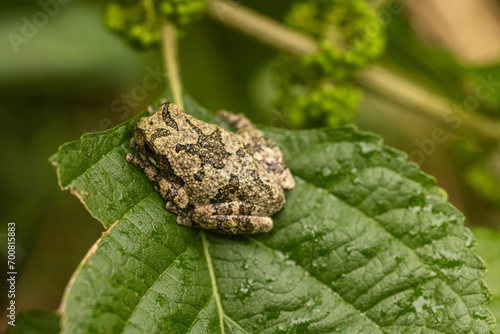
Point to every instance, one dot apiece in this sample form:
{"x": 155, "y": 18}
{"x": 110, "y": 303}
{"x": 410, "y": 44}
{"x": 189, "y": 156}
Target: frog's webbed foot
{"x": 184, "y": 221}
{"x": 184, "y": 216}
{"x": 145, "y": 166}
{"x": 261, "y": 147}
{"x": 134, "y": 145}
{"x": 138, "y": 163}
{"x": 233, "y": 218}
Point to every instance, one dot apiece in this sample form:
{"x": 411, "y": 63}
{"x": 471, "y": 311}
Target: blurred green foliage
{"x": 440, "y": 72}
{"x": 35, "y": 322}
{"x": 487, "y": 245}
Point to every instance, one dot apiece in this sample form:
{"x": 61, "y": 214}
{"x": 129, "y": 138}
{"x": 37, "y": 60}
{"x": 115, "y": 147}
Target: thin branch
{"x": 389, "y": 86}
{"x": 171, "y": 59}
{"x": 377, "y": 79}
{"x": 149, "y": 8}
{"x": 378, "y": 4}
{"x": 261, "y": 27}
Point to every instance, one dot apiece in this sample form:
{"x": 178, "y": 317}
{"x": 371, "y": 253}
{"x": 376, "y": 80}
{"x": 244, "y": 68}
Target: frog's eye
{"x": 148, "y": 148}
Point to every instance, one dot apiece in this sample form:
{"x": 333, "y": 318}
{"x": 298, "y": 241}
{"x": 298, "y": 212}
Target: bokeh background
{"x": 71, "y": 74}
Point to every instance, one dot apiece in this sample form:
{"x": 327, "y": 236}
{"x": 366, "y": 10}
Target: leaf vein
{"x": 151, "y": 287}
{"x": 411, "y": 250}
{"x": 317, "y": 280}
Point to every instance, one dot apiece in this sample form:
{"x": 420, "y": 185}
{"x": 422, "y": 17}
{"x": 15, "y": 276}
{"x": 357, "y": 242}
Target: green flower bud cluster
{"x": 182, "y": 12}
{"x": 342, "y": 99}
{"x": 140, "y": 23}
{"x": 350, "y": 37}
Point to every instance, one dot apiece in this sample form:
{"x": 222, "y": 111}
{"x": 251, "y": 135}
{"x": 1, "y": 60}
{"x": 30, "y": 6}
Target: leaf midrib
{"x": 216, "y": 296}
{"x": 213, "y": 282}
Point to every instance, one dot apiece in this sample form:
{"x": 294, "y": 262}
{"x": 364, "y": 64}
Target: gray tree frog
{"x": 211, "y": 178}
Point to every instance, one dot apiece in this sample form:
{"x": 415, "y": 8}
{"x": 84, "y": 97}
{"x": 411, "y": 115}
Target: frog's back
{"x": 217, "y": 168}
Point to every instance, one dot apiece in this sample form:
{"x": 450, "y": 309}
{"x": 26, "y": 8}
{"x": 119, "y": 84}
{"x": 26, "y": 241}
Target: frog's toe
{"x": 151, "y": 110}
{"x": 181, "y": 199}
{"x": 133, "y": 160}
{"x": 172, "y": 208}
{"x": 133, "y": 143}
{"x": 286, "y": 180}
{"x": 184, "y": 221}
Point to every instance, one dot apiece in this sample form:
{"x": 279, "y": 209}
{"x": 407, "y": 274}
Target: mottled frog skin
{"x": 211, "y": 178}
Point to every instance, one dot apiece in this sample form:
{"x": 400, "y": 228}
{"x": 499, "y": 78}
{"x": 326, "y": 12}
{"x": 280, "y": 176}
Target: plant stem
{"x": 260, "y": 27}
{"x": 378, "y": 4}
{"x": 390, "y": 87}
{"x": 171, "y": 59}
{"x": 378, "y": 80}
{"x": 150, "y": 11}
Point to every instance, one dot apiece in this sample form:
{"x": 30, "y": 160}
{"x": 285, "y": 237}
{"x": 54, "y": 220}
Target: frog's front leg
{"x": 261, "y": 147}
{"x": 171, "y": 192}
{"x": 232, "y": 218}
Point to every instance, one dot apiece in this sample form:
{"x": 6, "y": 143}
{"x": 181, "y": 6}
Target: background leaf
{"x": 487, "y": 245}
{"x": 35, "y": 322}
{"x": 365, "y": 244}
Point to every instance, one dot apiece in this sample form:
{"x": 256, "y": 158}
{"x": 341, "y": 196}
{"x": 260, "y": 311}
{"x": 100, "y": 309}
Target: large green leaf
{"x": 366, "y": 243}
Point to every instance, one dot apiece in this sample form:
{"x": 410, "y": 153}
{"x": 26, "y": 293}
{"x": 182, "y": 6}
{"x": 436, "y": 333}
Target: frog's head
{"x": 156, "y": 134}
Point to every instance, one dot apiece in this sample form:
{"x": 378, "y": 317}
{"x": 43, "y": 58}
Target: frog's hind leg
{"x": 235, "y": 224}
{"x": 237, "y": 121}
{"x": 233, "y": 218}
{"x": 261, "y": 147}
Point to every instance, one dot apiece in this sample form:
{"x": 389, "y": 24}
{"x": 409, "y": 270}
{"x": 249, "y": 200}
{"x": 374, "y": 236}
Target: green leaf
{"x": 488, "y": 248}
{"x": 366, "y": 243}
{"x": 35, "y": 322}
